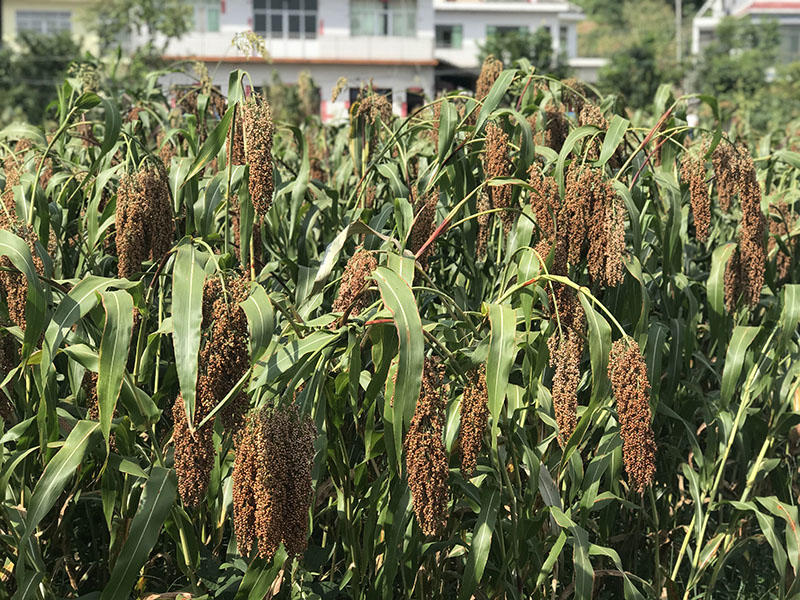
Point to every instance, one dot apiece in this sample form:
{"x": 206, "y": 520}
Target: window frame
{"x": 451, "y": 28}
{"x": 282, "y": 13}
{"x": 46, "y": 19}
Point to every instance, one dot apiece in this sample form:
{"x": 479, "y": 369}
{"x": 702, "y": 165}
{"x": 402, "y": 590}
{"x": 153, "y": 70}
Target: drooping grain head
{"x": 693, "y": 172}
{"x": 474, "y": 417}
{"x": 356, "y": 274}
{"x": 258, "y": 128}
{"x": 723, "y": 159}
{"x": 752, "y": 243}
{"x": 556, "y": 129}
{"x": 245, "y": 475}
{"x": 13, "y": 284}
{"x": 426, "y": 458}
{"x": 490, "y": 71}
{"x": 573, "y": 94}
{"x": 424, "y": 223}
{"x": 484, "y": 222}
{"x": 497, "y": 163}
{"x": 606, "y": 235}
{"x": 628, "y": 373}
{"x": 592, "y": 115}
{"x": 374, "y": 107}
{"x": 194, "y": 454}
{"x": 732, "y": 281}
{"x": 545, "y": 201}
{"x": 566, "y": 347}
{"x": 144, "y": 224}
{"x": 572, "y": 221}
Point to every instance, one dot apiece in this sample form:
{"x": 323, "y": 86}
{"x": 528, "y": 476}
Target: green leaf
{"x": 260, "y": 576}
{"x": 261, "y": 319}
{"x": 599, "y": 346}
{"x": 213, "y": 144}
{"x": 481, "y": 542}
{"x": 494, "y": 96}
{"x": 113, "y": 124}
{"x": 741, "y": 339}
{"x": 448, "y": 119}
{"x": 114, "y": 347}
{"x": 55, "y": 476}
{"x": 503, "y": 320}
{"x": 187, "y": 317}
{"x": 573, "y": 138}
{"x": 716, "y": 287}
{"x": 790, "y": 313}
{"x": 614, "y": 136}
{"x": 399, "y": 299}
{"x": 157, "y": 499}
{"x": 36, "y": 304}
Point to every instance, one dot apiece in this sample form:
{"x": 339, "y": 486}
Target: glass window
{"x": 383, "y": 18}
{"x": 213, "y": 18}
{"x": 448, "y": 36}
{"x": 286, "y": 18}
{"x": 44, "y": 21}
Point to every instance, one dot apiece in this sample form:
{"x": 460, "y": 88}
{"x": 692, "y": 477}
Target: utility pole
{"x": 678, "y": 32}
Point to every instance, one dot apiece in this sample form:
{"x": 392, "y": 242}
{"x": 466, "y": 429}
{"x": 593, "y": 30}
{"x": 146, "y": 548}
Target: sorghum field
{"x": 512, "y": 346}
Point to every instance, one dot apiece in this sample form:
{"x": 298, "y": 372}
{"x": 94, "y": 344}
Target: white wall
{"x": 475, "y": 17}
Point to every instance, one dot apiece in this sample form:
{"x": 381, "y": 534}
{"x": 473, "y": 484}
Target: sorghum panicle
{"x": 490, "y": 71}
{"x": 628, "y": 373}
{"x": 782, "y": 221}
{"x": 474, "y": 416}
{"x": 258, "y": 128}
{"x": 194, "y": 453}
{"x": 144, "y": 225}
{"x": 497, "y": 163}
{"x": 356, "y": 273}
{"x": 484, "y": 222}
{"x": 426, "y": 458}
{"x": 13, "y": 284}
{"x": 693, "y": 172}
{"x": 424, "y": 224}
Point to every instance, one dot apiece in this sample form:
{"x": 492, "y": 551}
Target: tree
{"x": 159, "y": 21}
{"x": 537, "y": 47}
{"x": 31, "y": 74}
{"x": 739, "y": 57}
{"x": 635, "y": 73}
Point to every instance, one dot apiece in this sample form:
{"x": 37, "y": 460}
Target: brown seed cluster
{"x": 89, "y": 385}
{"x": 490, "y": 71}
{"x": 545, "y": 201}
{"x": 224, "y": 357}
{"x": 144, "y": 225}
{"x": 752, "y": 229}
{"x": 236, "y": 149}
{"x": 556, "y": 129}
{"x": 725, "y": 162}
{"x": 781, "y": 222}
{"x": 374, "y": 107}
{"x": 257, "y": 119}
{"x": 272, "y": 481}
{"x": 484, "y": 222}
{"x": 566, "y": 349}
{"x": 356, "y": 273}
{"x": 593, "y": 221}
{"x": 194, "y": 452}
{"x": 426, "y": 458}
{"x": 693, "y": 172}
{"x": 573, "y": 94}
{"x": 12, "y": 167}
{"x": 424, "y": 224}
{"x": 497, "y": 163}
{"x": 167, "y": 149}
{"x": 14, "y": 284}
{"x": 592, "y": 115}
{"x": 9, "y": 358}
{"x": 474, "y": 416}
{"x": 628, "y": 373}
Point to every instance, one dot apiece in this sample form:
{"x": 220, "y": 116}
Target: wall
{"x": 78, "y": 8}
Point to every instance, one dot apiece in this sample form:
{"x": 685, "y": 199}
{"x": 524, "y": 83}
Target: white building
{"x": 395, "y": 45}
{"x": 785, "y": 12}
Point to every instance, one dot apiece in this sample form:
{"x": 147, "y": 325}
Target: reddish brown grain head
{"x": 426, "y": 458}
{"x": 484, "y": 222}
{"x": 258, "y": 128}
{"x": 474, "y": 416}
{"x": 497, "y": 163}
{"x": 693, "y": 172}
{"x": 356, "y": 275}
{"x": 245, "y": 475}
{"x": 144, "y": 224}
{"x": 752, "y": 243}
{"x": 566, "y": 348}
{"x": 490, "y": 71}
{"x": 13, "y": 284}
{"x": 724, "y": 162}
{"x": 424, "y": 224}
{"x": 194, "y": 454}
{"x": 592, "y": 115}
{"x": 545, "y": 201}
{"x": 628, "y": 373}
{"x": 556, "y": 129}
{"x": 782, "y": 221}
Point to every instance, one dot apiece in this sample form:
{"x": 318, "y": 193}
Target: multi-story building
{"x": 45, "y": 17}
{"x": 386, "y": 43}
{"x": 785, "y": 12}
{"x": 463, "y": 25}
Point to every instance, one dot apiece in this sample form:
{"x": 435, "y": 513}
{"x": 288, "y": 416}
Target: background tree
{"x": 157, "y": 21}
{"x": 536, "y": 46}
{"x": 739, "y": 57}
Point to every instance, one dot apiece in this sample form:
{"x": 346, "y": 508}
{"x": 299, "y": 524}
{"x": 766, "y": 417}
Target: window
{"x": 44, "y": 21}
{"x": 504, "y": 29}
{"x": 563, "y": 38}
{"x": 448, "y": 36}
{"x": 295, "y": 19}
{"x": 206, "y": 15}
{"x": 383, "y": 18}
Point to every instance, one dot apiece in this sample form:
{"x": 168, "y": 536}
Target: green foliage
{"x": 91, "y": 505}
{"x": 739, "y": 57}
{"x": 536, "y": 46}
{"x": 158, "y": 21}
{"x": 30, "y": 73}
{"x": 636, "y": 73}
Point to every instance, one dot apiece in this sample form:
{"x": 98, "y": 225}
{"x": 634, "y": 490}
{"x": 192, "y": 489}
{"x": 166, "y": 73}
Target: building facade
{"x": 45, "y": 17}
{"x": 785, "y": 12}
